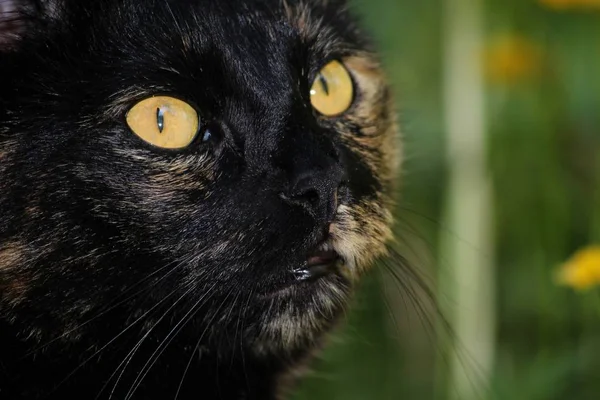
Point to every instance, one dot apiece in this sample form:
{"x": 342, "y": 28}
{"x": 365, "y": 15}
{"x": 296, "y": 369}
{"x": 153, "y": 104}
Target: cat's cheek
{"x": 360, "y": 235}
{"x": 14, "y": 285}
{"x": 370, "y": 128}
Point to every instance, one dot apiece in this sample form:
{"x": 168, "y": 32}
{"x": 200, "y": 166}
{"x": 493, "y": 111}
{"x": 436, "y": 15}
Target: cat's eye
{"x": 332, "y": 91}
{"x": 164, "y": 122}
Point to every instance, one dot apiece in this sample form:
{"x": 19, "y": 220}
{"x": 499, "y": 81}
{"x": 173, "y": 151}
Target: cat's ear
{"x": 16, "y": 17}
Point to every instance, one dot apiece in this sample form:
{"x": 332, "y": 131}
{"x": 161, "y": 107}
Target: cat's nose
{"x": 316, "y": 189}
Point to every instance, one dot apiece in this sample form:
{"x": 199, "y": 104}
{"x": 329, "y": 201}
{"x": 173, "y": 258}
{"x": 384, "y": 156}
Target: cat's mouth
{"x": 320, "y": 263}
{"x": 323, "y": 262}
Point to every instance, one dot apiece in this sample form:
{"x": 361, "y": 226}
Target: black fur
{"x": 131, "y": 272}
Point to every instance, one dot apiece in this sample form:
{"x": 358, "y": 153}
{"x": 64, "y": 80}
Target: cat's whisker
{"x": 114, "y": 306}
{"x": 242, "y": 340}
{"x": 390, "y": 310}
{"x": 384, "y": 273}
{"x": 197, "y": 346}
{"x": 437, "y": 327}
{"x": 175, "y": 20}
{"x": 132, "y": 352}
{"x": 135, "y": 322}
{"x": 233, "y": 306}
{"x": 168, "y": 339}
{"x": 405, "y": 288}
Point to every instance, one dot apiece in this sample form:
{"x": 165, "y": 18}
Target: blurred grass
{"x": 544, "y": 141}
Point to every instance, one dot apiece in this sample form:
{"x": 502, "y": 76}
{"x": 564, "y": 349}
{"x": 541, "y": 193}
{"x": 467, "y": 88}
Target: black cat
{"x": 189, "y": 190}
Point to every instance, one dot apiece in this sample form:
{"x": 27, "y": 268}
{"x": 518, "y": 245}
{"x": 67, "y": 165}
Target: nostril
{"x": 307, "y": 197}
{"x": 310, "y": 197}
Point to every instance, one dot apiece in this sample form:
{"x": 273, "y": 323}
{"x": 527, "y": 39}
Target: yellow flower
{"x": 566, "y": 4}
{"x": 510, "y": 59}
{"x": 582, "y": 271}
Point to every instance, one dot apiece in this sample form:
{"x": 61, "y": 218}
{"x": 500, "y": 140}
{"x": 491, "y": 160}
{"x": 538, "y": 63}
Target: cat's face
{"x": 262, "y": 218}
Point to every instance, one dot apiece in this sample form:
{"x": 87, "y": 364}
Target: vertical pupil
{"x": 323, "y": 83}
{"x": 160, "y": 119}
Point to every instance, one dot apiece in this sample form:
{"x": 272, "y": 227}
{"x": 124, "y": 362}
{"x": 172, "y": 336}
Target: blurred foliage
{"x": 542, "y": 64}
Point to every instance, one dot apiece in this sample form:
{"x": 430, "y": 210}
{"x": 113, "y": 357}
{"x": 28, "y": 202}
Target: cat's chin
{"x": 299, "y": 314}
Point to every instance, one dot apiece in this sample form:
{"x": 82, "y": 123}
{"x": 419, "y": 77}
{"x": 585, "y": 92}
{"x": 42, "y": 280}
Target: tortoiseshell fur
{"x": 131, "y": 272}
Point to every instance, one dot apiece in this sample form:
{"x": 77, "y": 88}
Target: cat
{"x": 190, "y": 190}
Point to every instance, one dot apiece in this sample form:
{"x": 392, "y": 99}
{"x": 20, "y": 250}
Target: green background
{"x": 542, "y": 132}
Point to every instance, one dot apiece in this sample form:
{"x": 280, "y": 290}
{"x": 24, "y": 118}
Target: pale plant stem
{"x": 467, "y": 273}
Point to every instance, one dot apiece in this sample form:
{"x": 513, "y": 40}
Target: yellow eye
{"x": 332, "y": 91}
{"x": 164, "y": 122}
